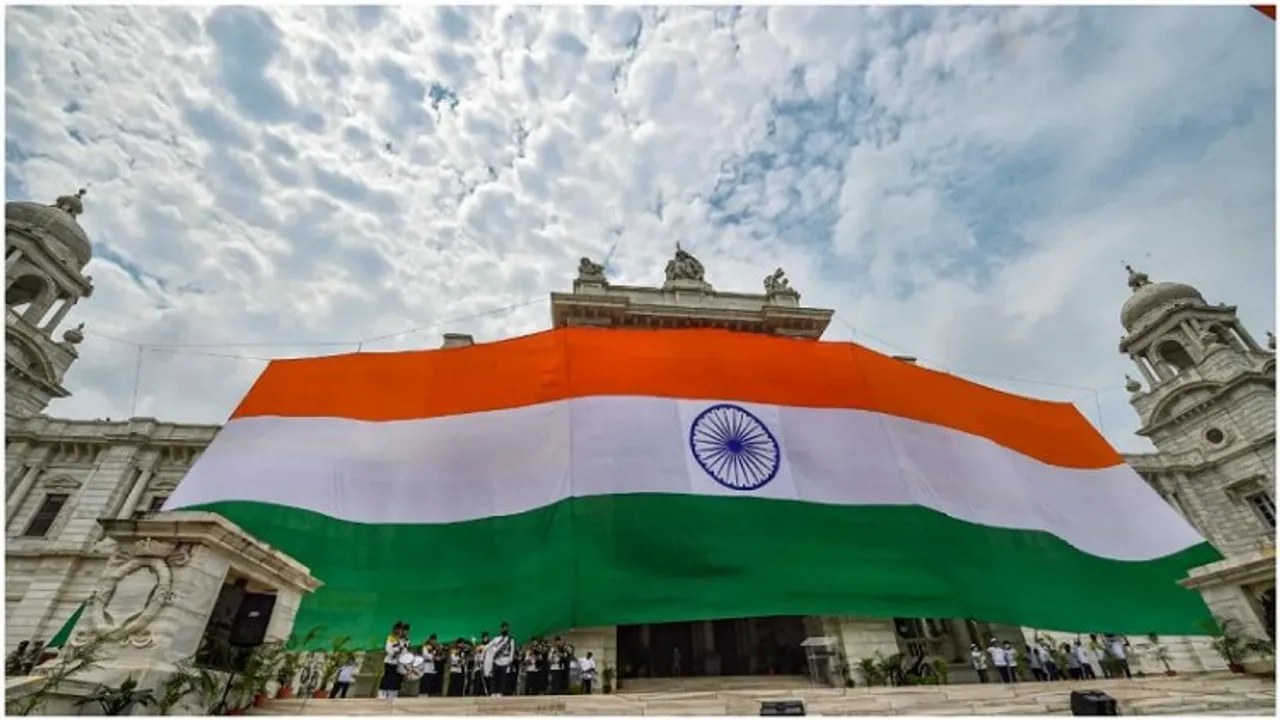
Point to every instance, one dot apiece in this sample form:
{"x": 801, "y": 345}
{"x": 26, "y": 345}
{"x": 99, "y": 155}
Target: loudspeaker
{"x": 781, "y": 708}
{"x": 249, "y": 628}
{"x": 1092, "y": 702}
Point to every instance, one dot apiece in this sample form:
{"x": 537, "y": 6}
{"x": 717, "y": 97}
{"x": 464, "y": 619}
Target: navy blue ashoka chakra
{"x": 734, "y": 447}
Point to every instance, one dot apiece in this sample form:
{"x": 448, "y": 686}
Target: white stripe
{"x": 468, "y": 467}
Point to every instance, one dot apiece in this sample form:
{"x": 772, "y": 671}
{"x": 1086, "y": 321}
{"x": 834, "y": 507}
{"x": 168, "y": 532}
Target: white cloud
{"x": 961, "y": 183}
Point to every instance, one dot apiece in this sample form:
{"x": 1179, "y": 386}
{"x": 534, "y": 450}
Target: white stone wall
{"x": 864, "y": 637}
{"x": 109, "y": 469}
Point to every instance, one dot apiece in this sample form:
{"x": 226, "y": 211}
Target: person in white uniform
{"x": 979, "y": 660}
{"x": 1011, "y": 660}
{"x": 1121, "y": 658}
{"x": 999, "y": 659}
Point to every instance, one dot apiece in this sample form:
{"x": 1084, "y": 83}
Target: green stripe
{"x": 646, "y": 558}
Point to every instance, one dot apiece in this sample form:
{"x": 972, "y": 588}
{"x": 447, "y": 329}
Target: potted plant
{"x": 185, "y": 680}
{"x": 870, "y": 670}
{"x": 891, "y": 669}
{"x": 119, "y": 700}
{"x": 943, "y": 670}
{"x": 1233, "y": 645}
{"x": 607, "y": 677}
{"x": 339, "y": 654}
{"x": 290, "y": 662}
{"x": 1161, "y": 653}
{"x": 261, "y": 668}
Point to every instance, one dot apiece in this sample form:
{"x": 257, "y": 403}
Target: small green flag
{"x": 64, "y": 634}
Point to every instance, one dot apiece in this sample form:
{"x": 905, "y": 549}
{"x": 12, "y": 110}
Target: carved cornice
{"x": 1165, "y": 320}
{"x": 1193, "y": 461}
{"x": 248, "y": 555}
{"x": 1247, "y": 377}
{"x": 163, "y": 486}
{"x": 1237, "y": 490}
{"x": 61, "y": 483}
{"x": 44, "y": 370}
{"x": 1246, "y": 569}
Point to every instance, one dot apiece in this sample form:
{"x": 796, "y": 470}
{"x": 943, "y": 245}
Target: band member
{"x": 559, "y": 656}
{"x": 428, "y": 684}
{"x": 397, "y": 642}
{"x": 475, "y": 666}
{"x": 439, "y": 654}
{"x": 529, "y": 664}
{"x": 499, "y": 661}
{"x": 457, "y": 668}
{"x": 542, "y": 667}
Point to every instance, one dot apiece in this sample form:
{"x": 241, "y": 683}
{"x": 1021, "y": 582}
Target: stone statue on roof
{"x": 590, "y": 271}
{"x": 685, "y": 266}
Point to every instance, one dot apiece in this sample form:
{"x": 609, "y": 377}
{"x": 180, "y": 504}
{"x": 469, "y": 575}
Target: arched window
{"x": 1175, "y": 356}
{"x": 25, "y": 290}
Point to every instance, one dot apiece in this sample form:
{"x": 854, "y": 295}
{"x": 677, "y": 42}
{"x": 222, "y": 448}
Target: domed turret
{"x": 45, "y": 253}
{"x": 63, "y": 236}
{"x": 1148, "y": 297}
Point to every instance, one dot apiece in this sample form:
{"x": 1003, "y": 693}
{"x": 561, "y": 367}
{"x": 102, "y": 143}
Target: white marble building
{"x": 1208, "y": 404}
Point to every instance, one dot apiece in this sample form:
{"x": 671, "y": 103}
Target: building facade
{"x": 1208, "y": 405}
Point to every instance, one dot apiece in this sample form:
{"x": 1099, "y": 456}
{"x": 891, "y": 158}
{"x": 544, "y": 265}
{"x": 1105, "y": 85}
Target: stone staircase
{"x": 1202, "y": 694}
{"x": 641, "y": 686}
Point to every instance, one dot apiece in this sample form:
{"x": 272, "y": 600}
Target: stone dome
{"x": 59, "y": 221}
{"x": 1148, "y": 297}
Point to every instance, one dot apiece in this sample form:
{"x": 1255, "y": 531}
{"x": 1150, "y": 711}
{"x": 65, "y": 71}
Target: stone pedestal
{"x": 154, "y": 600}
{"x": 1230, "y": 588}
{"x": 864, "y": 637}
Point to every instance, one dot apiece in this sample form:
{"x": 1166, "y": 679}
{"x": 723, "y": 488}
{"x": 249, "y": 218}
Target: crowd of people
{"x": 1068, "y": 661}
{"x": 481, "y": 666}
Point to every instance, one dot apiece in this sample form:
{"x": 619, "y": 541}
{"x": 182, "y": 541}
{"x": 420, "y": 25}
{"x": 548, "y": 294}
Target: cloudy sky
{"x": 964, "y": 185}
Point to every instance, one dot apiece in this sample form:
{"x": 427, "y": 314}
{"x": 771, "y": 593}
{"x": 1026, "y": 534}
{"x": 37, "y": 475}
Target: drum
{"x": 404, "y": 663}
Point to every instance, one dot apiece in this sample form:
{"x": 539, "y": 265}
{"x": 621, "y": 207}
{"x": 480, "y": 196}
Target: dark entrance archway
{"x": 715, "y": 648}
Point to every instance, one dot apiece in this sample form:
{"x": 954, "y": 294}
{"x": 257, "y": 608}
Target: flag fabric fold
{"x": 61, "y": 637}
{"x": 584, "y": 477}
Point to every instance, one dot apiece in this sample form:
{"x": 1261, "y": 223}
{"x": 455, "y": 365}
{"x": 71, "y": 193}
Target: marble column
{"x": 135, "y": 493}
{"x": 15, "y": 463}
{"x": 61, "y": 313}
{"x": 20, "y": 493}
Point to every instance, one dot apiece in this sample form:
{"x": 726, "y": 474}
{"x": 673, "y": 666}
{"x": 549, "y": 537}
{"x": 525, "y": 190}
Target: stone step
{"x": 633, "y": 686}
{"x": 1206, "y": 694}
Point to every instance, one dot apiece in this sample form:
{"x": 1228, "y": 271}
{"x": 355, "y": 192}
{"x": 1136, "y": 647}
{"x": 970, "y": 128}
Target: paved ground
{"x": 1206, "y": 694}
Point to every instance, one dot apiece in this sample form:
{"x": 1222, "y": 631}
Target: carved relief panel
{"x": 136, "y": 586}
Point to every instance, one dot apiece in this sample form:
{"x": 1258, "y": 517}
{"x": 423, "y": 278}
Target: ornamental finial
{"x": 1137, "y": 278}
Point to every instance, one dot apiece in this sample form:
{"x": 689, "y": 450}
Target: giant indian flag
{"x": 585, "y": 477}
